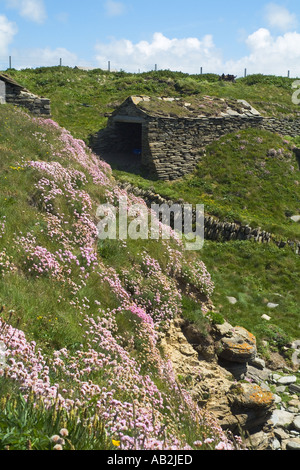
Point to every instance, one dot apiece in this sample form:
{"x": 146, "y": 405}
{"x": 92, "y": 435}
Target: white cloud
{"x": 33, "y": 10}
{"x": 268, "y": 54}
{"x": 187, "y": 54}
{"x": 279, "y": 17}
{"x": 7, "y": 33}
{"x": 114, "y": 8}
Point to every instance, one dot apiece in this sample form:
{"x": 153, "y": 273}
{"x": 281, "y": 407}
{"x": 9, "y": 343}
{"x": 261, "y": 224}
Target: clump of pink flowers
{"x": 38, "y": 260}
{"x": 196, "y": 273}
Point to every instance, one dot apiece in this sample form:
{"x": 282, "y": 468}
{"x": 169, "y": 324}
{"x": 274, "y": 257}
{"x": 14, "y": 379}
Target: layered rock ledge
{"x": 225, "y": 376}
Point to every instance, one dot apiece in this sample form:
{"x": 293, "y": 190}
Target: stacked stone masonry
{"x": 175, "y": 143}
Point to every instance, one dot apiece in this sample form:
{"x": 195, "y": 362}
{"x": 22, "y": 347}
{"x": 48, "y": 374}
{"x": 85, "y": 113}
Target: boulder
{"x": 232, "y": 300}
{"x": 251, "y": 396}
{"x": 266, "y": 317}
{"x": 293, "y": 444}
{"x": 239, "y": 345}
{"x": 259, "y": 363}
{"x": 250, "y": 404}
{"x": 258, "y": 375}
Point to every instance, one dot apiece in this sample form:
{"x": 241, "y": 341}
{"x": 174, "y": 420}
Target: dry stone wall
{"x": 21, "y": 97}
{"x": 285, "y": 126}
{"x": 13, "y": 93}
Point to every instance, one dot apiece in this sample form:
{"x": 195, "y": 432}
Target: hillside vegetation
{"x": 251, "y": 176}
{"x": 81, "y": 317}
{"x": 82, "y": 99}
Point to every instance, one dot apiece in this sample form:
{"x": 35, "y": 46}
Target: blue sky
{"x": 135, "y": 35}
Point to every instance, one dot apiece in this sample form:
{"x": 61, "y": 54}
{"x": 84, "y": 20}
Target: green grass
{"x": 28, "y": 425}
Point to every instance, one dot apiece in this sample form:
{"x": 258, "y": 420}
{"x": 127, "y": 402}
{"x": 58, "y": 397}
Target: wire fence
{"x": 24, "y": 62}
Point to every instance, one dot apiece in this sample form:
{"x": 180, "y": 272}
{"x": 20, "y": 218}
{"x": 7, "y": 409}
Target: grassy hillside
{"x": 250, "y": 176}
{"x": 81, "y": 99}
{"x": 80, "y": 317}
{"x": 256, "y": 275}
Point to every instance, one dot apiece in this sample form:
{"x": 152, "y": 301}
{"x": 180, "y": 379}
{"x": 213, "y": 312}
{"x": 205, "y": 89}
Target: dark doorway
{"x": 125, "y": 152}
{"x": 130, "y": 137}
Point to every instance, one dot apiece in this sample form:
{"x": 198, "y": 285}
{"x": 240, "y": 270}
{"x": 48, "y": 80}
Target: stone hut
{"x": 13, "y": 92}
{"x": 165, "y": 135}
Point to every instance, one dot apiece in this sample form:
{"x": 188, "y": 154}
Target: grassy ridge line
{"x": 81, "y": 99}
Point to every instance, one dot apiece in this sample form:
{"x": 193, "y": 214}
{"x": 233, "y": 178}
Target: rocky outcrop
{"x": 212, "y": 385}
{"x": 223, "y": 373}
